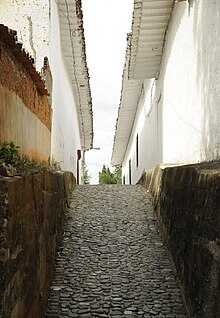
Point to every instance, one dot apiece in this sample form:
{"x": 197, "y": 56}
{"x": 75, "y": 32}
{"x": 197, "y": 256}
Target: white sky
{"x": 106, "y": 24}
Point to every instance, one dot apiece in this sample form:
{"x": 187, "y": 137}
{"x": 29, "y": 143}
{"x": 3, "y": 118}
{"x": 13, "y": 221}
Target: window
{"x": 123, "y": 179}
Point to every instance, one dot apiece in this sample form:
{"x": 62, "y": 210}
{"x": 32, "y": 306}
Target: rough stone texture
{"x": 25, "y": 113}
{"x": 15, "y": 77}
{"x": 187, "y": 202}
{"x": 32, "y": 212}
{"x": 7, "y": 170}
{"x": 112, "y": 262}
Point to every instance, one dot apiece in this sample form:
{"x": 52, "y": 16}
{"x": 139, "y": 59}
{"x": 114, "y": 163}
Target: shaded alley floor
{"x": 112, "y": 262}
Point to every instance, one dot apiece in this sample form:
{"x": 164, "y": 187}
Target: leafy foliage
{"x": 9, "y": 153}
{"x": 108, "y": 177}
{"x": 118, "y": 174}
{"x": 86, "y": 176}
{"x": 26, "y": 164}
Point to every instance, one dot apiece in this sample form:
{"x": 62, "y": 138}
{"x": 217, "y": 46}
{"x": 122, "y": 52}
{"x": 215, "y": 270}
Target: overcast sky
{"x": 106, "y": 24}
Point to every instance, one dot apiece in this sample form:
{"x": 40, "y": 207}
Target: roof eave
{"x": 130, "y": 94}
{"x": 150, "y": 22}
{"x": 73, "y": 42}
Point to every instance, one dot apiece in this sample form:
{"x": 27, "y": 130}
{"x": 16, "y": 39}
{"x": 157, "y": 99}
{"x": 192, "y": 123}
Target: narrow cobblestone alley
{"x": 112, "y": 262}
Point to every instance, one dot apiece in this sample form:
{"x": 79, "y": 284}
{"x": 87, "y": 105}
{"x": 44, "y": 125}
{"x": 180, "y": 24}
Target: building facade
{"x": 52, "y": 31}
{"x": 170, "y": 91}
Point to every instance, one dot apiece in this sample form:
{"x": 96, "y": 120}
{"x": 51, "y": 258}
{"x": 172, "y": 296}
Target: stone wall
{"x": 187, "y": 203}
{"x": 32, "y": 213}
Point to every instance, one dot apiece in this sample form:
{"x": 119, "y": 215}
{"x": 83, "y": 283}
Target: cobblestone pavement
{"x": 112, "y": 262}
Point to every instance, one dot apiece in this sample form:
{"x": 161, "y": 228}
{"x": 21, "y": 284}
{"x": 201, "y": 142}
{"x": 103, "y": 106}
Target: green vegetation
{"x": 86, "y": 176}
{"x": 108, "y": 177}
{"x": 26, "y": 164}
{"x": 9, "y": 155}
{"x": 118, "y": 174}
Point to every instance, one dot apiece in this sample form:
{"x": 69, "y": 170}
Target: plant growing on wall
{"x": 10, "y": 156}
{"x": 9, "y": 152}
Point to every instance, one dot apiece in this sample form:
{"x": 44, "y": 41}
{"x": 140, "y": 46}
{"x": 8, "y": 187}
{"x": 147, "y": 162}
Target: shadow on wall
{"x": 207, "y": 41}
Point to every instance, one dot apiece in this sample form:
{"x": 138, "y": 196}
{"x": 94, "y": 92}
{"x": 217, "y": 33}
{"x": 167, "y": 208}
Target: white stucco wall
{"x": 65, "y": 129}
{"x": 186, "y": 109}
{"x": 31, "y": 21}
{"x": 206, "y": 34}
{"x": 146, "y": 129}
{"x": 181, "y": 108}
{"x": 190, "y": 83}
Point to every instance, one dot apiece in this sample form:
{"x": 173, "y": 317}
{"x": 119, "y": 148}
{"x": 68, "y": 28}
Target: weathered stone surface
{"x": 112, "y": 262}
{"x": 187, "y": 202}
{"x": 7, "y": 170}
{"x": 32, "y": 212}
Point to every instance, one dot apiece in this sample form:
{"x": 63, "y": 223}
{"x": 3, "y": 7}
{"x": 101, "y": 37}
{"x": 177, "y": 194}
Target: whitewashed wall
{"x": 65, "y": 129}
{"x": 145, "y": 126}
{"x": 184, "y": 124}
{"x": 37, "y": 25}
{"x": 31, "y": 21}
{"x": 181, "y": 108}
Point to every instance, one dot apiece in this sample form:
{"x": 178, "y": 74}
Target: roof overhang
{"x": 73, "y": 43}
{"x": 150, "y": 22}
{"x": 130, "y": 94}
{"x": 143, "y": 59}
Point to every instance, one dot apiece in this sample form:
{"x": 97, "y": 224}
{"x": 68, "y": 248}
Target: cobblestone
{"x": 112, "y": 262}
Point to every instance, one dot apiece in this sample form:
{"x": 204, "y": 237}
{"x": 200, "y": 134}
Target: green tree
{"x": 105, "y": 176}
{"x": 108, "y": 177}
{"x": 86, "y": 176}
{"x": 117, "y": 174}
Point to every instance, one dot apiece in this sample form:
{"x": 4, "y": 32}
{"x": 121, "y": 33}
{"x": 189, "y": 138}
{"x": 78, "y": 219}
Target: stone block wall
{"x": 187, "y": 203}
{"x": 32, "y": 213}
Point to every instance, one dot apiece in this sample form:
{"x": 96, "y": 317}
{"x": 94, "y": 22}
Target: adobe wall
{"x": 187, "y": 203}
{"x": 32, "y": 213}
{"x": 24, "y": 104}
